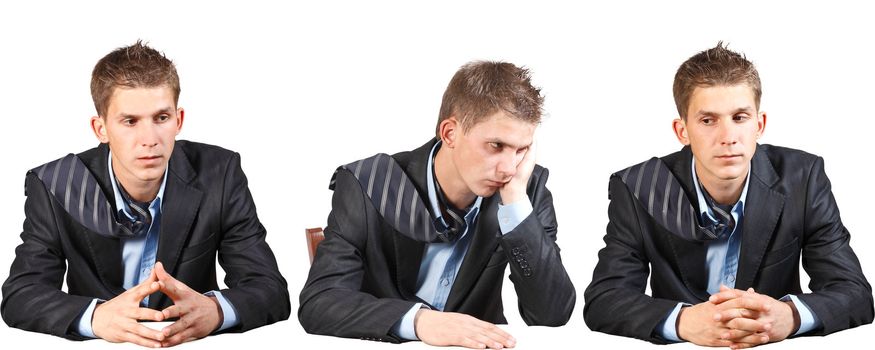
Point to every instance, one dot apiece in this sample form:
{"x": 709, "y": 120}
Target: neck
{"x": 140, "y": 191}
{"x": 724, "y": 192}
{"x": 455, "y": 191}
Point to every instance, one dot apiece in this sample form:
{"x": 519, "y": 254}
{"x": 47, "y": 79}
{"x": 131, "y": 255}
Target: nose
{"x": 147, "y": 134}
{"x": 728, "y": 133}
{"x": 506, "y": 167}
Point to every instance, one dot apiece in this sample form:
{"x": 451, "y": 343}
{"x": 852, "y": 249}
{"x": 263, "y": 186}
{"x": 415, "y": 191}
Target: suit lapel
{"x": 483, "y": 243}
{"x": 106, "y": 251}
{"x": 689, "y": 255}
{"x": 180, "y": 206}
{"x": 762, "y": 209}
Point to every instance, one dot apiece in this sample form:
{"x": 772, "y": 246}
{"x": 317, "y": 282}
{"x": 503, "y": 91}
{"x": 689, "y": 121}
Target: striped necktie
{"x": 142, "y": 217}
{"x": 395, "y": 197}
{"x": 725, "y": 223}
{"x": 74, "y": 187}
{"x": 660, "y": 193}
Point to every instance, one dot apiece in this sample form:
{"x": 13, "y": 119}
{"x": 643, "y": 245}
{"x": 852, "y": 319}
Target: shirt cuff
{"x": 667, "y": 329}
{"x": 511, "y": 215}
{"x": 404, "y": 328}
{"x": 807, "y": 319}
{"x": 83, "y": 323}
{"x": 229, "y": 314}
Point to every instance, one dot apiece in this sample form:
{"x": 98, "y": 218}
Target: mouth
{"x": 492, "y": 183}
{"x": 729, "y": 156}
{"x": 150, "y": 158}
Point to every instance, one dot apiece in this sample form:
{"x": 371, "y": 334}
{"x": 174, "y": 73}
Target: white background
{"x": 300, "y": 89}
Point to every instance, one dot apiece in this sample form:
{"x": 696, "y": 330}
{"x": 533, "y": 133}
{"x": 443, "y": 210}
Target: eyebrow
{"x": 166, "y": 110}
{"x": 497, "y": 140}
{"x": 746, "y": 109}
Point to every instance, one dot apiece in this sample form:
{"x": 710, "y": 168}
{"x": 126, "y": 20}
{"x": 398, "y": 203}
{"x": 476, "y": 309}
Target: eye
{"x": 708, "y": 120}
{"x": 522, "y": 150}
{"x": 129, "y": 122}
{"x": 163, "y": 118}
{"x": 740, "y": 117}
{"x": 496, "y": 146}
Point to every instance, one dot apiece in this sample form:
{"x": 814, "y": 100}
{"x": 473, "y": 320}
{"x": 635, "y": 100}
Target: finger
{"x": 141, "y": 341}
{"x": 750, "y": 340}
{"x": 734, "y": 335}
{"x": 179, "y": 338}
{"x": 748, "y": 325}
{"x": 177, "y": 327}
{"x": 724, "y": 295}
{"x": 471, "y": 343}
{"x": 172, "y": 288}
{"x": 144, "y": 332}
{"x": 172, "y": 311}
{"x": 484, "y": 339}
{"x": 144, "y": 314}
{"x": 142, "y": 290}
{"x": 731, "y": 314}
{"x": 496, "y": 336}
{"x": 746, "y": 302}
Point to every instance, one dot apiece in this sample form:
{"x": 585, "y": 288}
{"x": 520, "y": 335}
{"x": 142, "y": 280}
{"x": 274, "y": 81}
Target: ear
{"x": 679, "y": 126}
{"x": 761, "y": 124}
{"x": 180, "y": 117}
{"x": 98, "y": 125}
{"x": 448, "y": 131}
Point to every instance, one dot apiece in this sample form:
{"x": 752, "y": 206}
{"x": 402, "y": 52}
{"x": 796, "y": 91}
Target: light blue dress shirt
{"x": 441, "y": 261}
{"x": 722, "y": 263}
{"x": 139, "y": 255}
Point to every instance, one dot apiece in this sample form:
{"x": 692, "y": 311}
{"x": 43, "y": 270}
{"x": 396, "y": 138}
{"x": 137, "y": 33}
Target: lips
{"x": 729, "y": 157}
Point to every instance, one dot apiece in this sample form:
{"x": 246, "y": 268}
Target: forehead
{"x": 721, "y": 99}
{"x": 140, "y": 100}
{"x": 500, "y": 127}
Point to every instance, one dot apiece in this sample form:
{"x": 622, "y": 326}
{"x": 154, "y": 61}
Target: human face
{"x": 722, "y": 128}
{"x": 487, "y": 154}
{"x": 140, "y": 127}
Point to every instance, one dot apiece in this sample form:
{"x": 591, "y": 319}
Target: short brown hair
{"x": 714, "y": 67}
{"x": 133, "y": 66}
{"x": 482, "y": 88}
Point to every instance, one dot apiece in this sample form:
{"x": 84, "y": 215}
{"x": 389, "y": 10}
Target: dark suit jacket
{"x": 207, "y": 208}
{"x": 789, "y": 212}
{"x": 363, "y": 278}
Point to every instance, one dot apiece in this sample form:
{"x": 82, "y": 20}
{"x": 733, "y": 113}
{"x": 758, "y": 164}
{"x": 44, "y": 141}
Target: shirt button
{"x": 445, "y": 282}
{"x": 730, "y": 278}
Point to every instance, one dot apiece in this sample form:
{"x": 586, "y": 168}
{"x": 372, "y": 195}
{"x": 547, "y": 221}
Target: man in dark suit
{"x": 417, "y": 243}
{"x": 136, "y": 224}
{"x": 722, "y": 225}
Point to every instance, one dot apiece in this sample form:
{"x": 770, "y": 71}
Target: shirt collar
{"x": 432, "y": 191}
{"x": 155, "y": 205}
{"x": 704, "y": 208}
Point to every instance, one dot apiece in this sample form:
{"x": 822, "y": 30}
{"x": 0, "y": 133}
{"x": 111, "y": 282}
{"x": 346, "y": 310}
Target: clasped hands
{"x": 116, "y": 320}
{"x": 737, "y": 319}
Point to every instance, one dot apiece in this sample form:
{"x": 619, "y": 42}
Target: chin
{"x": 486, "y": 192}
{"x": 150, "y": 175}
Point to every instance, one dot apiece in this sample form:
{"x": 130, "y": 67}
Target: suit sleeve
{"x": 616, "y": 302}
{"x": 841, "y": 297}
{"x": 257, "y": 290}
{"x": 332, "y": 302}
{"x": 32, "y": 296}
{"x": 545, "y": 294}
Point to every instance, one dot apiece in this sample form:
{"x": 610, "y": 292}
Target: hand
{"x": 198, "y": 314}
{"x": 455, "y": 329}
{"x": 515, "y": 189}
{"x": 781, "y": 317}
{"x": 703, "y": 324}
{"x": 116, "y": 320}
